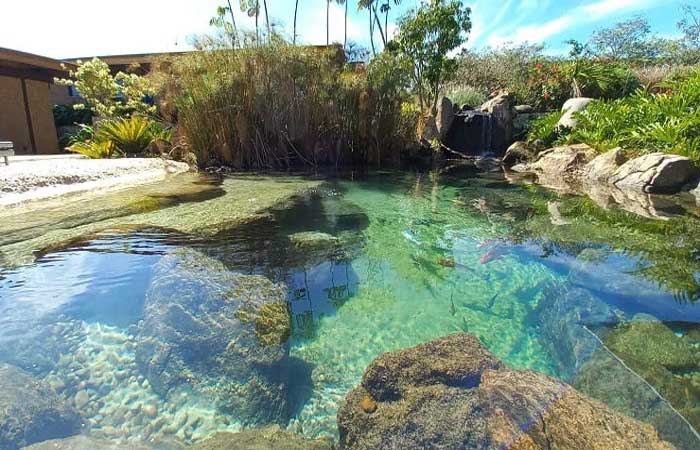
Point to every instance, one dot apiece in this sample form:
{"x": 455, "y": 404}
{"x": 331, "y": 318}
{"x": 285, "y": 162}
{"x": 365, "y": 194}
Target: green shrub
{"x": 646, "y": 122}
{"x": 94, "y": 149}
{"x": 467, "y": 96}
{"x": 545, "y": 129}
{"x": 131, "y": 135}
{"x": 125, "y": 136}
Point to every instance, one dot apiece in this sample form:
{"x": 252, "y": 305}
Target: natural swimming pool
{"x": 157, "y": 314}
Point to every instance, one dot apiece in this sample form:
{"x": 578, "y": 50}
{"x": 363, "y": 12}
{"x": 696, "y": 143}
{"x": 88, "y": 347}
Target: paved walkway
{"x": 38, "y": 177}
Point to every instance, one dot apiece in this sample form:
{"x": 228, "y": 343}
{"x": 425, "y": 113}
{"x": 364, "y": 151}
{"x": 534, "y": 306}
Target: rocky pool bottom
{"x": 157, "y": 319}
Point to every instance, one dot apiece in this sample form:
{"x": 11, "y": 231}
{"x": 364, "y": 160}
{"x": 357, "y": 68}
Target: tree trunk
{"x": 267, "y": 19}
{"x": 257, "y": 15}
{"x": 345, "y": 38}
{"x": 328, "y": 23}
{"x": 386, "y": 20}
{"x": 379, "y": 24}
{"x": 233, "y": 20}
{"x": 371, "y": 31}
{"x": 296, "y": 8}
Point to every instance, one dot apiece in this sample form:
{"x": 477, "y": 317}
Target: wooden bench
{"x": 7, "y": 149}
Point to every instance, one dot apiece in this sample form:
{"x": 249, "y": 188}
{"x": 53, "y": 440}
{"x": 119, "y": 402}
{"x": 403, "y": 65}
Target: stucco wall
{"x": 13, "y": 118}
{"x": 41, "y": 110}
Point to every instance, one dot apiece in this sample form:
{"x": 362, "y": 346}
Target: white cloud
{"x": 533, "y": 33}
{"x": 582, "y": 15}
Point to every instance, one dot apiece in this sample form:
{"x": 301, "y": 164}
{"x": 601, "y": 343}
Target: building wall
{"x": 13, "y": 120}
{"x": 41, "y": 109}
{"x": 13, "y": 117}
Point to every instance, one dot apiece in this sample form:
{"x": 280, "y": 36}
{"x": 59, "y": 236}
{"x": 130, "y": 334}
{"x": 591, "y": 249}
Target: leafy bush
{"x": 600, "y": 79}
{"x": 468, "y": 96}
{"x": 545, "y": 129}
{"x": 106, "y": 95}
{"x": 646, "y": 122}
{"x": 65, "y": 116}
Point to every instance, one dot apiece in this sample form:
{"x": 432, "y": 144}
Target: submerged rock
{"x": 268, "y": 438}
{"x": 452, "y": 393}
{"x": 88, "y": 443}
{"x": 220, "y": 334}
{"x": 655, "y": 172}
{"x": 31, "y": 411}
{"x": 570, "y": 107}
{"x": 569, "y": 318}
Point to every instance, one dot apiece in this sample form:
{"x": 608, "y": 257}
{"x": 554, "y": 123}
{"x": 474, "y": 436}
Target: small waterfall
{"x": 472, "y": 133}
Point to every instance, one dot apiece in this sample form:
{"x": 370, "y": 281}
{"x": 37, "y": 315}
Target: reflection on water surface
{"x": 164, "y": 318}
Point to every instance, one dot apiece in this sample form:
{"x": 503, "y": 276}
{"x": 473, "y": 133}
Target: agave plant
{"x": 94, "y": 149}
{"x": 132, "y": 135}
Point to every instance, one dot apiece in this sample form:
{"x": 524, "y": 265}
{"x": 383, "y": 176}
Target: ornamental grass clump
{"x": 276, "y": 106}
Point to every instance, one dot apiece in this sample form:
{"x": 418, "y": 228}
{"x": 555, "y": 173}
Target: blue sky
{"x": 74, "y": 28}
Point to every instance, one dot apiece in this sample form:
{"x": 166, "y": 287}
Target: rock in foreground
{"x": 220, "y": 334}
{"x": 452, "y": 393}
{"x": 269, "y": 438}
{"x": 87, "y": 443}
{"x": 30, "y": 410}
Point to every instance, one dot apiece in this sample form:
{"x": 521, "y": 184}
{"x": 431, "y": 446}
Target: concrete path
{"x": 29, "y": 178}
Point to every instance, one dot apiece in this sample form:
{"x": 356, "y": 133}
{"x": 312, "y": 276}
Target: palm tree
{"x": 366, "y": 4}
{"x": 252, "y": 8}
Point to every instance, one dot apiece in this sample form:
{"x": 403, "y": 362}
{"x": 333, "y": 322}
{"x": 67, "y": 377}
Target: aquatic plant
{"x": 276, "y": 105}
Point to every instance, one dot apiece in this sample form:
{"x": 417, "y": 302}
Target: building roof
{"x": 27, "y": 65}
{"x": 125, "y": 60}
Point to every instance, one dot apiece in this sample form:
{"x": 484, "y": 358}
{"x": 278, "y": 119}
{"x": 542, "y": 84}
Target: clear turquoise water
{"x": 424, "y": 255}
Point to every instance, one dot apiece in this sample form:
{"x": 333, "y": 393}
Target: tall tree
{"x": 425, "y": 38}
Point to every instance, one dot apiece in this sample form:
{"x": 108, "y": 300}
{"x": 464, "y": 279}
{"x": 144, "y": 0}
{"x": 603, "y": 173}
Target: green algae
{"x": 190, "y": 204}
{"x": 667, "y": 359}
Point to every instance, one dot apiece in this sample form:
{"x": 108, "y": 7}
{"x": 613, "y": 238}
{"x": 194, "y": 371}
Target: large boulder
{"x": 219, "y": 334}
{"x": 604, "y": 165}
{"x": 518, "y": 152}
{"x": 500, "y": 108}
{"x": 444, "y": 117}
{"x": 268, "y": 438}
{"x": 31, "y": 411}
{"x": 564, "y": 162}
{"x": 570, "y": 107}
{"x": 655, "y": 172}
{"x": 452, "y": 393}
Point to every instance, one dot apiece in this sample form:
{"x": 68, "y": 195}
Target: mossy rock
{"x": 273, "y": 325}
{"x": 652, "y": 343}
{"x": 669, "y": 362}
